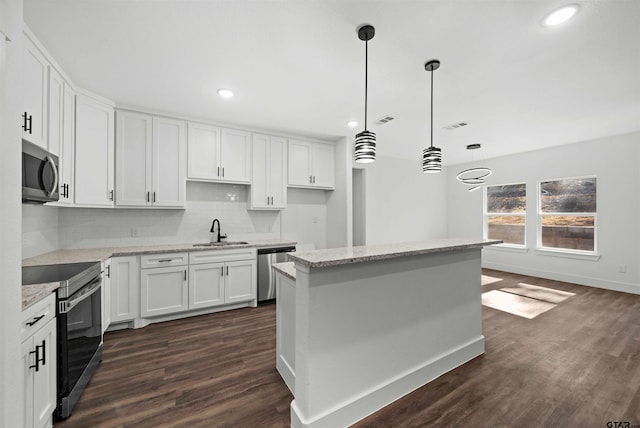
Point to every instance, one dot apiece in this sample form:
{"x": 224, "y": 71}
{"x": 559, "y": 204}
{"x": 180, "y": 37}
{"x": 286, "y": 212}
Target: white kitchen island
{"x": 360, "y": 327}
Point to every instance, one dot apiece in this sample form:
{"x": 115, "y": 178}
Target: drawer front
{"x": 217, "y": 256}
{"x": 163, "y": 260}
{"x": 37, "y": 316}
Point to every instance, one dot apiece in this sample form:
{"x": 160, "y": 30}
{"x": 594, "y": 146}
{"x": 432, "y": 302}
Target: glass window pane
{"x": 507, "y": 199}
{"x": 573, "y": 195}
{"x": 509, "y": 229}
{"x": 569, "y": 232}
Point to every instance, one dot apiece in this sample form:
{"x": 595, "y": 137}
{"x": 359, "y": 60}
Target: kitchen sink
{"x": 220, "y": 244}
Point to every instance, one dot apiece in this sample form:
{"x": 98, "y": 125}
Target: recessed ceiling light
{"x": 352, "y": 124}
{"x": 560, "y": 16}
{"x": 225, "y": 93}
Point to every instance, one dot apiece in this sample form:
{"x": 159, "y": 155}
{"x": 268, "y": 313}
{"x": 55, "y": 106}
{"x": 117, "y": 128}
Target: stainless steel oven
{"x": 79, "y": 322}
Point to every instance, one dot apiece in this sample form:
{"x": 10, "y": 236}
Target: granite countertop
{"x": 288, "y": 269}
{"x": 102, "y": 254}
{"x": 341, "y": 256}
{"x": 36, "y": 292}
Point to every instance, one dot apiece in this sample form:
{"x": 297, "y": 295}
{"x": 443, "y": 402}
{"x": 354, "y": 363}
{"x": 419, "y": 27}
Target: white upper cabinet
{"x": 323, "y": 165}
{"x": 56, "y": 111}
{"x": 67, "y": 163}
{"x": 133, "y": 158}
{"x": 235, "y": 155}
{"x": 269, "y": 172}
{"x": 311, "y": 165}
{"x": 203, "y": 152}
{"x": 218, "y": 154}
{"x": 94, "y": 179}
{"x": 169, "y": 159}
{"x": 150, "y": 160}
{"x": 34, "y": 94}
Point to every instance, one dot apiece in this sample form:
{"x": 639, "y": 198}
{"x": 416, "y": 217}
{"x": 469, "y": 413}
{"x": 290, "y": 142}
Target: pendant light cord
{"x": 431, "y": 108}
{"x": 366, "y": 74}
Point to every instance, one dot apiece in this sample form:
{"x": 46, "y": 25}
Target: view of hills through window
{"x": 568, "y": 213}
{"x": 506, "y": 213}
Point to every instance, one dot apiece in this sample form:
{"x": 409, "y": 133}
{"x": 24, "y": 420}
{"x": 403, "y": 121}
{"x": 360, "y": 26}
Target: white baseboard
{"x": 371, "y": 401}
{"x": 626, "y": 287}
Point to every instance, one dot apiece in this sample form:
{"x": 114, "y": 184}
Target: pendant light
{"x": 432, "y": 156}
{"x": 474, "y": 175}
{"x": 365, "y": 150}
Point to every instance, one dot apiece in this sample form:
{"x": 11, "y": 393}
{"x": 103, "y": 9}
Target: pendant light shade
{"x": 365, "y": 144}
{"x": 432, "y": 156}
{"x": 474, "y": 175}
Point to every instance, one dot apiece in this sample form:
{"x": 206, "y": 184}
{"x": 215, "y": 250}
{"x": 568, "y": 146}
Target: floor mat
{"x": 541, "y": 293}
{"x": 515, "y": 304}
{"x": 486, "y": 279}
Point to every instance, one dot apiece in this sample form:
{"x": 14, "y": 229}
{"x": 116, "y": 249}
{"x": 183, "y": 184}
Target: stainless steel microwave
{"x": 39, "y": 174}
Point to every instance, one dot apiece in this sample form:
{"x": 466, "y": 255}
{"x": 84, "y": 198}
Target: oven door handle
{"x": 66, "y": 305}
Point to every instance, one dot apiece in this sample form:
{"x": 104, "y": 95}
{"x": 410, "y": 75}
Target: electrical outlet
{"x": 622, "y": 268}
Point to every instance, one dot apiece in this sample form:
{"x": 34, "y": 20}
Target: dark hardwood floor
{"x": 577, "y": 365}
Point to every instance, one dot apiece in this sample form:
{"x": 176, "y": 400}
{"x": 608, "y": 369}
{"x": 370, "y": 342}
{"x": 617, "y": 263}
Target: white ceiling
{"x": 297, "y": 66}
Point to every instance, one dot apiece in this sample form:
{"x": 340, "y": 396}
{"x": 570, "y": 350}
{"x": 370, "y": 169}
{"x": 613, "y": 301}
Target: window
{"x": 505, "y": 213}
{"x": 567, "y": 214}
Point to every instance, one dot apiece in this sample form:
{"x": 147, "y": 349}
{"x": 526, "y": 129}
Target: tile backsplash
{"x": 87, "y": 227}
{"x": 48, "y": 228}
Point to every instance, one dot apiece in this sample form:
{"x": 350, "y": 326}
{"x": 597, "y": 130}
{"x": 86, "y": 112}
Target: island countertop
{"x": 347, "y": 255}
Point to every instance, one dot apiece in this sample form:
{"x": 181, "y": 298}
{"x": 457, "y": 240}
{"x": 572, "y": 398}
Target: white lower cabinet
{"x": 206, "y": 285}
{"x": 240, "y": 281}
{"x": 39, "y": 363}
{"x": 163, "y": 291}
{"x": 173, "y": 285}
{"x": 106, "y": 294}
{"x": 222, "y": 277}
{"x": 125, "y": 288}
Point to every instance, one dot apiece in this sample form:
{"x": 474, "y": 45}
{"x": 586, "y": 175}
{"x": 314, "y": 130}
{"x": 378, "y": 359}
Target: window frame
{"x": 486, "y": 214}
{"x": 566, "y": 252}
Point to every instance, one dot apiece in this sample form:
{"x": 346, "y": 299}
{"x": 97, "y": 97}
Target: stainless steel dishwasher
{"x": 267, "y": 256}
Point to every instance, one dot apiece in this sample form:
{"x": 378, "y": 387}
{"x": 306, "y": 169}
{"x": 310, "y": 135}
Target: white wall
{"x": 403, "y": 203}
{"x": 11, "y": 381}
{"x": 339, "y": 204}
{"x": 616, "y": 163}
{"x": 39, "y": 229}
{"x": 305, "y": 218}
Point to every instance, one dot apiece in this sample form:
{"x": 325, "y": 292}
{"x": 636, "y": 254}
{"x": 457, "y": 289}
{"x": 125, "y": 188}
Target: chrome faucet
{"x": 213, "y": 225}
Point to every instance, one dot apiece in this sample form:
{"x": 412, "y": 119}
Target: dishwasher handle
{"x": 274, "y": 250}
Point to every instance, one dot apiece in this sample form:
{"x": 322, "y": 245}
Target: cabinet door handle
{"x": 185, "y": 274}
{"x": 36, "y": 365}
{"x": 44, "y": 356}
{"x": 314, "y": 179}
{"x": 147, "y": 196}
{"x": 39, "y": 360}
{"x": 310, "y": 179}
{"x": 35, "y": 320}
{"x": 222, "y": 271}
{"x": 109, "y": 271}
{"x": 227, "y": 270}
{"x": 218, "y": 171}
{"x": 154, "y": 197}
{"x": 112, "y": 195}
{"x": 223, "y": 171}
{"x": 28, "y": 120}
{"x": 164, "y": 260}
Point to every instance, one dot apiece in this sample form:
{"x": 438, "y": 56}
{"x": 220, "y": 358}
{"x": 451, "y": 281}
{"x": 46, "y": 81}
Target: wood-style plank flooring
{"x": 577, "y": 365}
